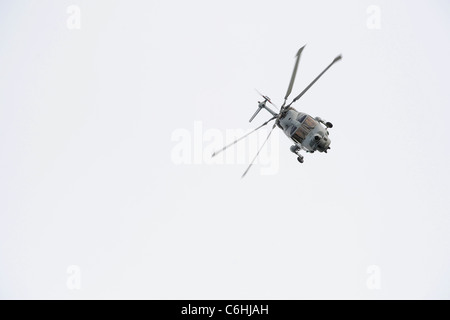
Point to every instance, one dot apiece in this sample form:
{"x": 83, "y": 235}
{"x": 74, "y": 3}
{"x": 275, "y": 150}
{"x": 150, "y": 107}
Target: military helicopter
{"x": 308, "y": 133}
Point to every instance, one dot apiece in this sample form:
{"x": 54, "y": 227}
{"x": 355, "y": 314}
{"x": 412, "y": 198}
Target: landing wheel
{"x": 294, "y": 149}
{"x": 300, "y": 159}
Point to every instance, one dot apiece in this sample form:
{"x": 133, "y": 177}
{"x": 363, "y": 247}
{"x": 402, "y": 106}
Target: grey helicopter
{"x": 308, "y": 133}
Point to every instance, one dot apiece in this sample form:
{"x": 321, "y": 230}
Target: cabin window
{"x": 301, "y": 118}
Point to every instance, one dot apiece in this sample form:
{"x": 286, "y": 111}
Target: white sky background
{"x": 86, "y": 170}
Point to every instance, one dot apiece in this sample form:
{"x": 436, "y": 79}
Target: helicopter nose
{"x": 323, "y": 142}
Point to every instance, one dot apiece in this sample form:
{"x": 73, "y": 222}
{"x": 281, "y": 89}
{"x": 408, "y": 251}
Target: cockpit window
{"x": 309, "y": 122}
{"x": 307, "y": 125}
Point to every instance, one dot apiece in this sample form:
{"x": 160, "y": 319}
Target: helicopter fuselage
{"x": 306, "y": 132}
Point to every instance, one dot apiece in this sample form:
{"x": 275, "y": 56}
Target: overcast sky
{"x": 109, "y": 111}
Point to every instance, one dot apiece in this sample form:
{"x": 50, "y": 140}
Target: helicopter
{"x": 308, "y": 133}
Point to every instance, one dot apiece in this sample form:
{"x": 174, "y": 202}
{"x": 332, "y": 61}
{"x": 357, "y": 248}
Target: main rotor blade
{"x": 237, "y": 140}
{"x": 317, "y": 78}
{"x": 294, "y": 73}
{"x": 250, "y": 165}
